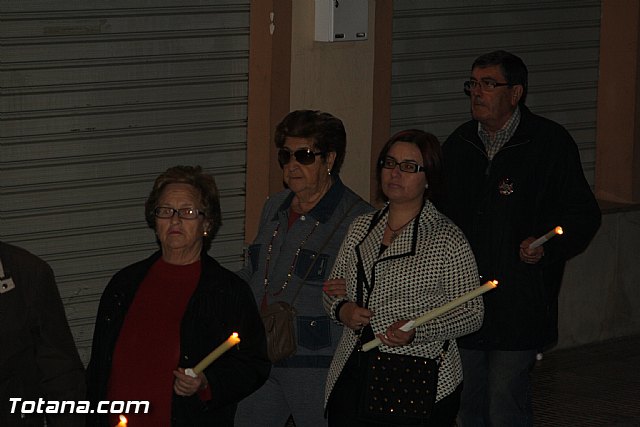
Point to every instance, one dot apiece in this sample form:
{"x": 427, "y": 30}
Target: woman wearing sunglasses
{"x": 300, "y": 231}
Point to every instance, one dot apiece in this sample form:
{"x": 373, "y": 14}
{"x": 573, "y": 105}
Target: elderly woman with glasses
{"x": 398, "y": 263}
{"x": 167, "y": 312}
{"x": 300, "y": 231}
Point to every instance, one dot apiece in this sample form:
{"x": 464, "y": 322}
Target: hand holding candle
{"x": 542, "y": 239}
{"x": 208, "y": 360}
{"x": 411, "y": 324}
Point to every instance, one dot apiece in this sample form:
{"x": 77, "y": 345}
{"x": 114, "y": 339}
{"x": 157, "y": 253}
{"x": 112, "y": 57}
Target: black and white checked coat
{"x": 429, "y": 264}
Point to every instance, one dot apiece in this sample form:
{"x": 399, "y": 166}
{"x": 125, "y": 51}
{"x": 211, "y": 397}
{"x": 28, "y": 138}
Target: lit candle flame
{"x": 217, "y": 352}
{"x": 123, "y": 421}
{"x": 542, "y": 239}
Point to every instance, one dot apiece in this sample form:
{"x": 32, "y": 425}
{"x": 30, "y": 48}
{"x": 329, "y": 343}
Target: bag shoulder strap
{"x": 324, "y": 244}
{"x": 443, "y": 353}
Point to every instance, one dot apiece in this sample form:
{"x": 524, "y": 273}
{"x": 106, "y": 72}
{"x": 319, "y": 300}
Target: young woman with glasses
{"x": 394, "y": 265}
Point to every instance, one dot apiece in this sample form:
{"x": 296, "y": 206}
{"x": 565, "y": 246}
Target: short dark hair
{"x": 431, "y": 151}
{"x": 513, "y": 68}
{"x": 326, "y": 131}
{"x": 203, "y": 182}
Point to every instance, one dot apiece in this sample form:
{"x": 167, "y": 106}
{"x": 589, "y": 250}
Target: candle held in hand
{"x": 411, "y": 324}
{"x": 208, "y": 360}
{"x": 542, "y": 239}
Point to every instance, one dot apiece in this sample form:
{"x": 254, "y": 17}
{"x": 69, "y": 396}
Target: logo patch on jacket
{"x": 505, "y": 187}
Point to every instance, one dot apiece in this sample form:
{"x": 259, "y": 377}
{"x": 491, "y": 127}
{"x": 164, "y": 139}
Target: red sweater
{"x": 148, "y": 347}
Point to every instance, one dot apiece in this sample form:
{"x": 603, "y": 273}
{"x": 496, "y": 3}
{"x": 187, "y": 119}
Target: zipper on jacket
{"x": 487, "y": 170}
{"x": 504, "y": 148}
{"x": 483, "y": 152}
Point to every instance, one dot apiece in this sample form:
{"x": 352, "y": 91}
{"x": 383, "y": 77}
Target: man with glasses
{"x": 511, "y": 176}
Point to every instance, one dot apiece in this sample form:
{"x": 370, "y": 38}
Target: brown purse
{"x": 278, "y": 319}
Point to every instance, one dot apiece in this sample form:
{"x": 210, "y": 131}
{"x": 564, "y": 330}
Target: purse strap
{"x": 324, "y": 244}
{"x": 443, "y": 353}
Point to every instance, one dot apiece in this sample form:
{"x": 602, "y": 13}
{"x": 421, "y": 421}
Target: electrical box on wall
{"x": 341, "y": 20}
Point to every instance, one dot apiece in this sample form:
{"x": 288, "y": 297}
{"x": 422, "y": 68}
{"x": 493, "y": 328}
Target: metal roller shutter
{"x": 98, "y": 98}
{"x": 435, "y": 42}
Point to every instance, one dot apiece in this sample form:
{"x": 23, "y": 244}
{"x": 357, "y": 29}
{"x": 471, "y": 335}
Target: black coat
{"x": 533, "y": 184}
{"x": 221, "y": 304}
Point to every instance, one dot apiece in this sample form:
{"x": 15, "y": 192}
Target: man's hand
{"x": 530, "y": 256}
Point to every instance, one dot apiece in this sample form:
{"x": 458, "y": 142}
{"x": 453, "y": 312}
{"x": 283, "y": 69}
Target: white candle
{"x": 411, "y": 324}
{"x": 541, "y": 240}
{"x": 208, "y": 360}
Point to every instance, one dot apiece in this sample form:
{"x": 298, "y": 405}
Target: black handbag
{"x": 400, "y": 389}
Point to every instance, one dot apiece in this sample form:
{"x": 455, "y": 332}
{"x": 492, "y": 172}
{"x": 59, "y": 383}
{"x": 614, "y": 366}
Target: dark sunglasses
{"x": 304, "y": 156}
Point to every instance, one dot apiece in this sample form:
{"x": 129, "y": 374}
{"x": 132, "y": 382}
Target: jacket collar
{"x": 470, "y": 130}
{"x": 367, "y": 251}
{"x": 324, "y": 209}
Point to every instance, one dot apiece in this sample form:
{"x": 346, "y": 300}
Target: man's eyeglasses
{"x": 409, "y": 167}
{"x": 487, "y": 85}
{"x": 184, "y": 213}
{"x": 304, "y": 156}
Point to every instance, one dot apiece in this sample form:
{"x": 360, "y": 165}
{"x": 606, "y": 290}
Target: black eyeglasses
{"x": 304, "y": 156}
{"x": 487, "y": 85}
{"x": 408, "y": 167}
{"x": 184, "y": 213}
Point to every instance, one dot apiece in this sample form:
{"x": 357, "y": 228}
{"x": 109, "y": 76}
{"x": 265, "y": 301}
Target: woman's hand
{"x": 395, "y": 337}
{"x": 186, "y": 385}
{"x": 353, "y": 316}
{"x": 336, "y": 288}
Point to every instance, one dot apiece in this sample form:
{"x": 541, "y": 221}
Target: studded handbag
{"x": 400, "y": 389}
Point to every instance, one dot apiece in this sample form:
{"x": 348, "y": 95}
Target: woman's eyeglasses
{"x": 184, "y": 213}
{"x": 304, "y": 156}
{"x": 409, "y": 167}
